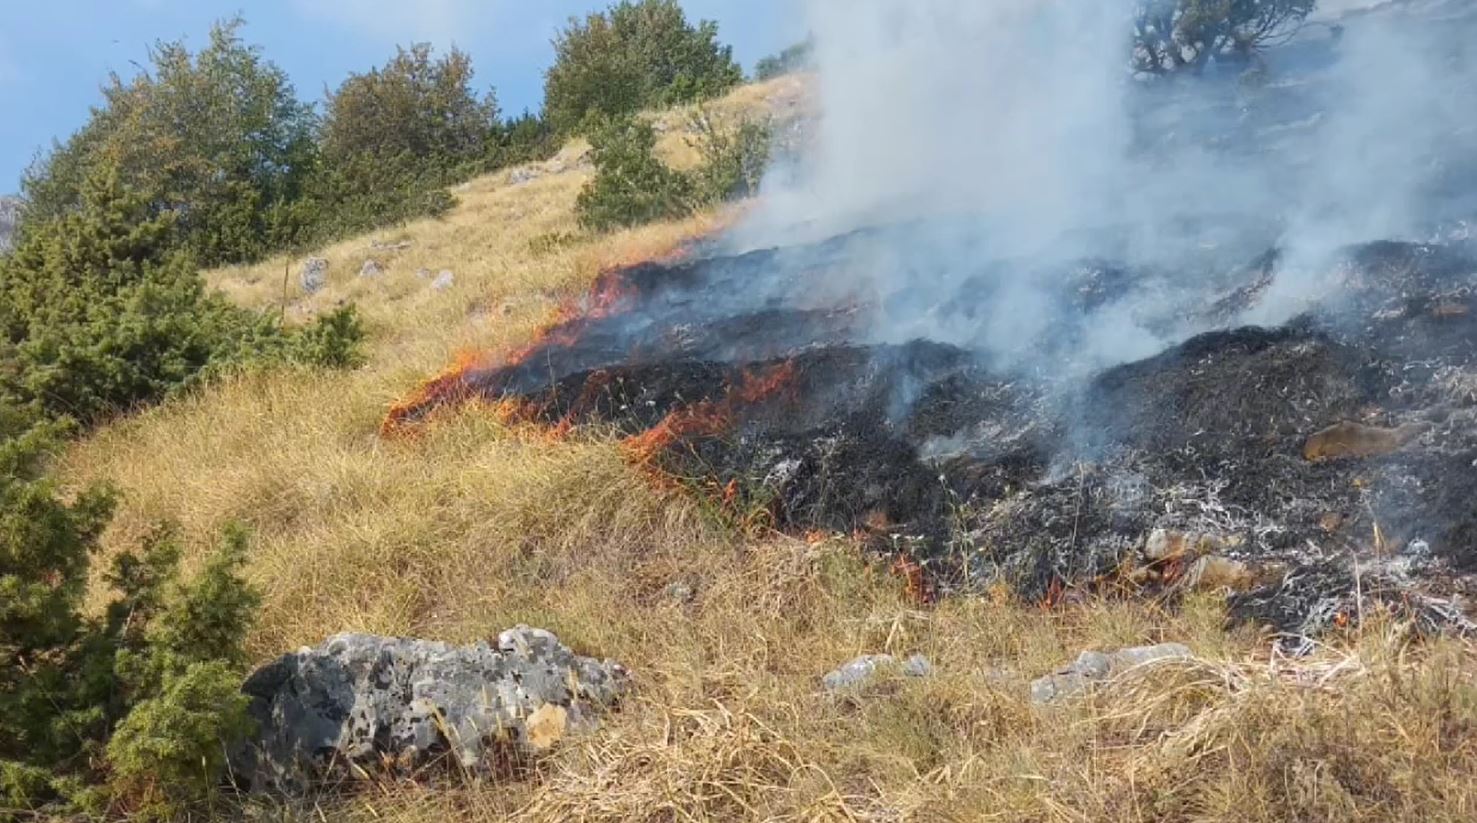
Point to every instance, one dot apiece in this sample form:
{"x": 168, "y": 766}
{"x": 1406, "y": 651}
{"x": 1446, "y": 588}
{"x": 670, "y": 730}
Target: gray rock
{"x": 864, "y": 669}
{"x": 371, "y": 268}
{"x": 518, "y": 177}
{"x": 1091, "y": 668}
{"x": 680, "y": 592}
{"x": 917, "y": 666}
{"x": 314, "y": 275}
{"x": 10, "y": 217}
{"x": 1125, "y": 659}
{"x": 368, "y": 702}
{"x": 443, "y": 281}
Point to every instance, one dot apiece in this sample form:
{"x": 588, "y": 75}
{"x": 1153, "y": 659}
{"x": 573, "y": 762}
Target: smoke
{"x": 987, "y": 148}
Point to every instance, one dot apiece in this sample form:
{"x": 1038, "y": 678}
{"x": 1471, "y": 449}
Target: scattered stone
{"x": 358, "y": 702}
{"x": 1091, "y": 668}
{"x": 371, "y": 268}
{"x": 443, "y": 281}
{"x": 1165, "y": 544}
{"x": 1213, "y": 573}
{"x": 518, "y": 177}
{"x": 314, "y": 275}
{"x": 680, "y": 592}
{"x": 1355, "y": 440}
{"x": 864, "y": 669}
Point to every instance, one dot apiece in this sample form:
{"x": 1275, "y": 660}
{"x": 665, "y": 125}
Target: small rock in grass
{"x": 864, "y": 669}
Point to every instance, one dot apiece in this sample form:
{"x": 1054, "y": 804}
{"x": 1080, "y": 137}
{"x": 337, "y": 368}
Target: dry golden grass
{"x": 473, "y": 526}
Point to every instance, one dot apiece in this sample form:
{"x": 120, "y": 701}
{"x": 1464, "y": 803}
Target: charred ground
{"x": 1049, "y": 483}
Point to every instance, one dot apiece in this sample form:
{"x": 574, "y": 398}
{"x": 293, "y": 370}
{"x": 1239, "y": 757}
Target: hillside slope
{"x": 474, "y": 525}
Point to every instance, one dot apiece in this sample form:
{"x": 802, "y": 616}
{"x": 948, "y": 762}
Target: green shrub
{"x": 364, "y": 192}
{"x": 67, "y": 679}
{"x": 169, "y": 754}
{"x": 636, "y": 55}
{"x": 523, "y": 139}
{"x": 789, "y": 61}
{"x": 1176, "y": 34}
{"x": 631, "y": 185}
{"x": 734, "y": 158}
{"x": 98, "y": 314}
{"x": 148, "y": 693}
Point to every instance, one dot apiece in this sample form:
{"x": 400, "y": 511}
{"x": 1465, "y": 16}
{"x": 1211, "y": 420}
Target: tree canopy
{"x": 635, "y": 55}
{"x": 1177, "y": 34}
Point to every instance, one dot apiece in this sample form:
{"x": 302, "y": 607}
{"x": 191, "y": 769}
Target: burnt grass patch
{"x": 1054, "y": 482}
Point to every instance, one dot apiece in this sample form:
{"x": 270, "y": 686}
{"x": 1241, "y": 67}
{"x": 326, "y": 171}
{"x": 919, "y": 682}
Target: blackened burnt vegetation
{"x": 1049, "y": 483}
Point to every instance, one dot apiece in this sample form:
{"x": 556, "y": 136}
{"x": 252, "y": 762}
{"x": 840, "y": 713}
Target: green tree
{"x": 1170, "y": 35}
{"x": 789, "y": 61}
{"x": 216, "y": 139}
{"x": 414, "y": 106}
{"x": 637, "y": 54}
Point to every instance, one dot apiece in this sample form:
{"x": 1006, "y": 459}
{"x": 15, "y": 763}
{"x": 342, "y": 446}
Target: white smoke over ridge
{"x": 1002, "y": 139}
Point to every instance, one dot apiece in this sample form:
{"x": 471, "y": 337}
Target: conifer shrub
{"x": 131, "y": 710}
{"x": 633, "y": 186}
{"x": 99, "y": 314}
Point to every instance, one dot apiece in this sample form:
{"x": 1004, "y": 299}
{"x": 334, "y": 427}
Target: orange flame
{"x": 710, "y": 418}
{"x": 916, "y": 585}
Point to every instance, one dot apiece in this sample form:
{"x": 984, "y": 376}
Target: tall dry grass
{"x": 472, "y": 526}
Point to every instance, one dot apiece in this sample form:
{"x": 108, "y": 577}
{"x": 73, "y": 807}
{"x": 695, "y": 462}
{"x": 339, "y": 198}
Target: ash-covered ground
{"x": 1296, "y": 429}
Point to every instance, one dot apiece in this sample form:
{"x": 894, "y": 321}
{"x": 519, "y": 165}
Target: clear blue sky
{"x": 54, "y": 54}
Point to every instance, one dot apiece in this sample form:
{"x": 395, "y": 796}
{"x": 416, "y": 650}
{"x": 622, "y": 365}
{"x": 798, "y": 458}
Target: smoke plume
{"x": 999, "y": 147}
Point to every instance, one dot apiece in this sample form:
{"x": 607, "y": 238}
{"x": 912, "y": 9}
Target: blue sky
{"x": 55, "y": 54}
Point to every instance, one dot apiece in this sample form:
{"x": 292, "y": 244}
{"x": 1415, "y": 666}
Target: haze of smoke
{"x": 1011, "y": 132}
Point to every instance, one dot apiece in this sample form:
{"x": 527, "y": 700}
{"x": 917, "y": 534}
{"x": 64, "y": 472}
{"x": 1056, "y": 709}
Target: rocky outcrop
{"x": 360, "y": 703}
{"x": 10, "y": 215}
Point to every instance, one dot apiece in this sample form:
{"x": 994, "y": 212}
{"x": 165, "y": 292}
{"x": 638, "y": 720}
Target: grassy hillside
{"x": 473, "y": 526}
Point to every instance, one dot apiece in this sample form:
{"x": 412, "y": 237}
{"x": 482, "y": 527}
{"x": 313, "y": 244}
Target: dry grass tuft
{"x": 473, "y": 526}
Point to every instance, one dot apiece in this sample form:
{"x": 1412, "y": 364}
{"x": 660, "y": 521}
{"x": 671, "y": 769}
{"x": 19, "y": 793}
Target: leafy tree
{"x": 216, "y": 139}
{"x": 414, "y": 106}
{"x": 1176, "y": 34}
{"x": 635, "y": 55}
{"x": 789, "y": 61}
{"x": 522, "y": 139}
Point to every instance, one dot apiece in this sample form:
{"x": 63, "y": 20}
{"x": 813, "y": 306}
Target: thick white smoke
{"x": 1000, "y": 138}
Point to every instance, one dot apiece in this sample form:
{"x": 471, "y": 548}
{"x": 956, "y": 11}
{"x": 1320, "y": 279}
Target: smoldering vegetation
{"x": 1029, "y": 320}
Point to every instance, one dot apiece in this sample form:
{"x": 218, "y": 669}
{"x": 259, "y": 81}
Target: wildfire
{"x": 710, "y": 418}
{"x": 612, "y": 293}
{"x": 449, "y": 388}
